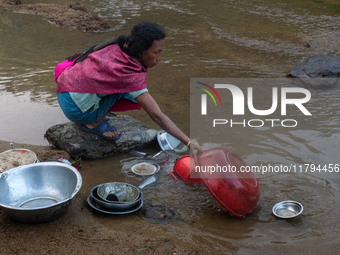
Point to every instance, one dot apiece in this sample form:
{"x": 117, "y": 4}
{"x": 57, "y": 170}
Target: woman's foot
{"x": 102, "y": 128}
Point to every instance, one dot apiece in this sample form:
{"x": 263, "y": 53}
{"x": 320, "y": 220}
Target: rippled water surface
{"x": 214, "y": 39}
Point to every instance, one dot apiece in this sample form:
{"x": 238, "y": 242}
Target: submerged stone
{"x": 69, "y": 137}
{"x": 74, "y": 17}
{"x": 319, "y": 66}
{"x": 158, "y": 214}
{"x": 320, "y": 71}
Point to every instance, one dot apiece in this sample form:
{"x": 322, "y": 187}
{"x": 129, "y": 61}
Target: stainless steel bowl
{"x": 287, "y": 209}
{"x": 38, "y": 192}
{"x": 119, "y": 206}
{"x": 112, "y": 187}
{"x": 168, "y": 142}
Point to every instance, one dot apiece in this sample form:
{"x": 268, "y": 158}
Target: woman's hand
{"x": 147, "y": 102}
{"x": 195, "y": 148}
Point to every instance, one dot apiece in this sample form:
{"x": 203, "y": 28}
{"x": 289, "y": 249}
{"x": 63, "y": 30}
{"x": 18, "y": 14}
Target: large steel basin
{"x": 38, "y": 192}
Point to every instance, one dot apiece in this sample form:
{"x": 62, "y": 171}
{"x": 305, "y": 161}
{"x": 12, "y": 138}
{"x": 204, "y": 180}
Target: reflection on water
{"x": 217, "y": 39}
{"x": 24, "y": 120}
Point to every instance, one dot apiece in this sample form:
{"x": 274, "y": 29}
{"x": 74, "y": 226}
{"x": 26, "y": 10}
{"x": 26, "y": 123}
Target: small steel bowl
{"x": 168, "y": 143}
{"x": 287, "y": 209}
{"x": 112, "y": 187}
{"x": 115, "y": 206}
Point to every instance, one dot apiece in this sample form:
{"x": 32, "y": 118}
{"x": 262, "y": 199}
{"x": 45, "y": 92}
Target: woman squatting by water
{"x": 111, "y": 76}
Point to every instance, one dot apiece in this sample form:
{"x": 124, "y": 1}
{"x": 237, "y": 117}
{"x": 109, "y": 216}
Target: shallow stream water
{"x": 215, "y": 39}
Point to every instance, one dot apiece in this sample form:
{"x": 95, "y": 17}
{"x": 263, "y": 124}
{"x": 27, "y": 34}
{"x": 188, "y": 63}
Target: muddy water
{"x": 214, "y": 39}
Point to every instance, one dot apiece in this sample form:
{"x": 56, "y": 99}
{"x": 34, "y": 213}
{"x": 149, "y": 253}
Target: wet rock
{"x": 79, "y": 7}
{"x": 313, "y": 71}
{"x": 52, "y": 154}
{"x": 74, "y": 17}
{"x": 69, "y": 137}
{"x": 320, "y": 66}
{"x": 14, "y": 2}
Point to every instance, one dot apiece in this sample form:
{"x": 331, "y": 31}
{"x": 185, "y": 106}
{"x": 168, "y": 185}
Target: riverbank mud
{"x": 81, "y": 230}
{"x": 75, "y": 16}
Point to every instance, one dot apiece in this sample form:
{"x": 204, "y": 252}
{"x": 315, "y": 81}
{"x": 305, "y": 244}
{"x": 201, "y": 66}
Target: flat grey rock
{"x": 320, "y": 71}
{"x": 319, "y": 66}
{"x": 69, "y": 137}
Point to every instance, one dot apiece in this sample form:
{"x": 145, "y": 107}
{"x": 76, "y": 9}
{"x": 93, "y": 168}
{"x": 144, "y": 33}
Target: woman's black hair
{"x": 140, "y": 39}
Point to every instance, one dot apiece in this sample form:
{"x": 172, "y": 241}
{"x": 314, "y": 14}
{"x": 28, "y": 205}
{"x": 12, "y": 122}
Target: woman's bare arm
{"x": 147, "y": 102}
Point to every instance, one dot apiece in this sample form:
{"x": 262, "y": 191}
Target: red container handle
{"x": 171, "y": 172}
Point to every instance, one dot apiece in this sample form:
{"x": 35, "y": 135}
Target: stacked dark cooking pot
{"x": 101, "y": 197}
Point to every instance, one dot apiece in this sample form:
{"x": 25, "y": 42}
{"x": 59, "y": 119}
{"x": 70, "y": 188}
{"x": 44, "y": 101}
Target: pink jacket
{"x": 108, "y": 70}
